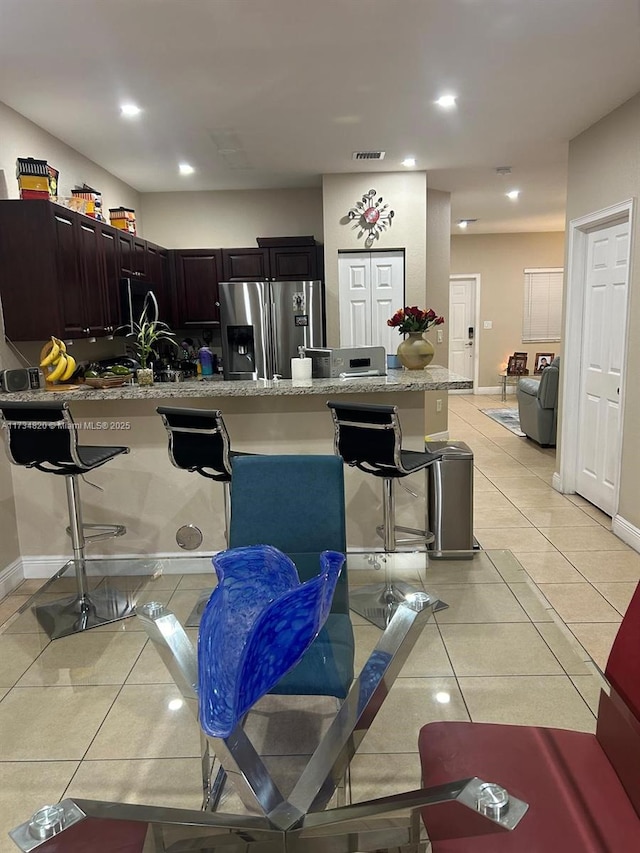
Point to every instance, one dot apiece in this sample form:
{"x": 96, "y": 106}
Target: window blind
{"x": 542, "y": 319}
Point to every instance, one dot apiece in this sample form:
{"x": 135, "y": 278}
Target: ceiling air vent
{"x": 368, "y": 155}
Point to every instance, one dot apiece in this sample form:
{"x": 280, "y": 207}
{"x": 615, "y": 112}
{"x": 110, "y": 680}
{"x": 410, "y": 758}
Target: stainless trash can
{"x": 449, "y": 504}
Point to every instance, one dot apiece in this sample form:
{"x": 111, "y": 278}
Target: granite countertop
{"x": 433, "y": 378}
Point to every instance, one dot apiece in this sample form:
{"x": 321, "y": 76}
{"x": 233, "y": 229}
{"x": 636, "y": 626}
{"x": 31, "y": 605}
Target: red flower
{"x": 413, "y": 319}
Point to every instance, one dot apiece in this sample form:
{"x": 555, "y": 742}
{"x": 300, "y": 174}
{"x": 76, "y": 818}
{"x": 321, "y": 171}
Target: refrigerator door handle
{"x": 267, "y": 344}
{"x": 274, "y": 340}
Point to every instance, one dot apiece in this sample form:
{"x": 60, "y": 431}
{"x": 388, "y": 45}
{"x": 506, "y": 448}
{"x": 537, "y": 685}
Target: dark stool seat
{"x": 199, "y": 442}
{"x": 43, "y": 436}
{"x": 369, "y": 437}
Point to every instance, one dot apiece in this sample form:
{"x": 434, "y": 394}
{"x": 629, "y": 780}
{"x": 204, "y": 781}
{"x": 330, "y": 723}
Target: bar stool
{"x": 44, "y": 436}
{"x": 199, "y": 441}
{"x": 369, "y": 437}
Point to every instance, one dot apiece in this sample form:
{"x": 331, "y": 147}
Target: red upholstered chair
{"x": 583, "y": 790}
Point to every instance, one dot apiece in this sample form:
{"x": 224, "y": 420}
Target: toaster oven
{"x": 345, "y": 362}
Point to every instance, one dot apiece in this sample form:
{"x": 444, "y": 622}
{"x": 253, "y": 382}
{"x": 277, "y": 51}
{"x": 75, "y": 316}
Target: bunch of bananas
{"x": 56, "y": 362}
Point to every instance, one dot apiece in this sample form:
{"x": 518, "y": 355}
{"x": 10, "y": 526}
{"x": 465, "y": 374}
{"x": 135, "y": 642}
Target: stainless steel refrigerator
{"x": 265, "y": 322}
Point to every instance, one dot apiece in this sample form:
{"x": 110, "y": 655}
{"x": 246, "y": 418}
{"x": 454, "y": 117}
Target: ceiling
{"x": 275, "y": 93}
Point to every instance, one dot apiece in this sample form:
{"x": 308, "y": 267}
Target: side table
{"x": 508, "y": 379}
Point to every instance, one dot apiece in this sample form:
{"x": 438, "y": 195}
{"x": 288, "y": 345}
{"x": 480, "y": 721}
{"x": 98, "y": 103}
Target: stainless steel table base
{"x": 297, "y": 824}
{"x": 100, "y": 827}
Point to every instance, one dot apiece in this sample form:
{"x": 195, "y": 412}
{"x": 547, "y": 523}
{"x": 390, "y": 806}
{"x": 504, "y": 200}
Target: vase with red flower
{"x": 415, "y": 352}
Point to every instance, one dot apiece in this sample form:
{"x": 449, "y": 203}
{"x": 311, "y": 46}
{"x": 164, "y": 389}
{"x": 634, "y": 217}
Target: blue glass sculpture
{"x": 258, "y": 623}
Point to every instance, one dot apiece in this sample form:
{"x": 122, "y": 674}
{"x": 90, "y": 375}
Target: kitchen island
{"x": 153, "y": 498}
{"x": 435, "y": 378}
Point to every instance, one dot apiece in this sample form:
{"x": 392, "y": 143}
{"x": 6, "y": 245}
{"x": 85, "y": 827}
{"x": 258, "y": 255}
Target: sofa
{"x": 538, "y": 405}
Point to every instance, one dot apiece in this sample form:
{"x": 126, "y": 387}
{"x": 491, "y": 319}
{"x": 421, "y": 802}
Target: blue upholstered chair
{"x": 296, "y": 504}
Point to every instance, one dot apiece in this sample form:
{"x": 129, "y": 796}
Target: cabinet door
{"x": 69, "y": 275}
{"x": 108, "y": 247}
{"x": 245, "y": 264}
{"x": 158, "y": 277}
{"x": 198, "y": 273}
{"x": 139, "y": 256}
{"x": 124, "y": 241}
{"x": 31, "y": 297}
{"x": 93, "y": 277}
{"x": 296, "y": 263}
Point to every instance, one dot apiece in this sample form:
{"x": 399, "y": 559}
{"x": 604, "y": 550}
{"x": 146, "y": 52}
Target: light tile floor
{"x": 94, "y": 715}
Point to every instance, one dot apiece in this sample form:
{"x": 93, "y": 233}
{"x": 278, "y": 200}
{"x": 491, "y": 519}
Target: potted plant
{"x": 415, "y": 352}
{"x": 147, "y": 334}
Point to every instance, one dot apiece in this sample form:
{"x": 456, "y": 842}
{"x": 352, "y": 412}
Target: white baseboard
{"x": 11, "y": 577}
{"x": 556, "y": 482}
{"x": 626, "y": 531}
{"x": 489, "y": 389}
{"x": 438, "y": 436}
{"x": 181, "y": 562}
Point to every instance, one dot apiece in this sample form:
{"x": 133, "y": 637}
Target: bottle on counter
{"x": 205, "y": 362}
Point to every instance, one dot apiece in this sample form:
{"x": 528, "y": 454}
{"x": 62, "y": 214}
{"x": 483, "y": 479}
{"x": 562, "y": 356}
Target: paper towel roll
{"x": 301, "y": 369}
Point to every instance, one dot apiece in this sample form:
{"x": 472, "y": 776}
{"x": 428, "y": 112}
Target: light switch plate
{"x": 439, "y": 336}
{"x": 488, "y": 324}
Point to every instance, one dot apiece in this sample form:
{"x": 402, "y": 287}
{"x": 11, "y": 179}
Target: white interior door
{"x": 604, "y": 333}
{"x": 371, "y": 289}
{"x": 387, "y": 295}
{"x": 462, "y": 314}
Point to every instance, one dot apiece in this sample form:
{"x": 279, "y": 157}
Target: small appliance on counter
{"x": 21, "y": 379}
{"x": 346, "y": 362}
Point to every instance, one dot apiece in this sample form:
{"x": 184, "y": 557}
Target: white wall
{"x": 501, "y": 260}
{"x": 230, "y": 218}
{"x": 604, "y": 169}
{"x": 406, "y": 193}
{"x": 20, "y": 137}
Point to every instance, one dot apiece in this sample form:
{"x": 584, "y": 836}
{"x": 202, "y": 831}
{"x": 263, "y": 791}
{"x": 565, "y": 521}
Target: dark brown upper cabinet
{"x": 245, "y": 264}
{"x": 198, "y": 272}
{"x": 287, "y": 263}
{"x": 53, "y": 277}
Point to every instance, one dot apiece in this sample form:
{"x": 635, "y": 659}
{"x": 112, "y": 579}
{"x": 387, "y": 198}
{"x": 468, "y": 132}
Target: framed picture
{"x": 517, "y": 365}
{"x": 543, "y": 359}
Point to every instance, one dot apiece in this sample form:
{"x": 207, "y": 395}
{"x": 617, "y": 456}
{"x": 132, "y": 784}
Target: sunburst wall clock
{"x": 371, "y": 216}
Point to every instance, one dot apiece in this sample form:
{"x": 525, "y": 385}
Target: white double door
{"x": 371, "y": 290}
{"x": 603, "y": 348}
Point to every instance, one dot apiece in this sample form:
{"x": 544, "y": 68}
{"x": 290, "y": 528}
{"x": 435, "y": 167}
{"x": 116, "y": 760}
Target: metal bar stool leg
{"x": 378, "y": 602}
{"x": 193, "y": 620}
{"x": 84, "y": 610}
{"x": 77, "y": 539}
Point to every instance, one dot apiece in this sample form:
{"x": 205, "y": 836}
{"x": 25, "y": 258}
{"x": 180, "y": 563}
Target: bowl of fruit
{"x": 112, "y": 377}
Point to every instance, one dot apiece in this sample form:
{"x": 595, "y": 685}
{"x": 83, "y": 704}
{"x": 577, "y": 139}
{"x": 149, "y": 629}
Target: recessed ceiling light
{"x": 186, "y": 169}
{"x": 446, "y": 101}
{"x": 409, "y": 161}
{"x": 130, "y": 110}
{"x": 463, "y": 223}
{"x": 513, "y": 194}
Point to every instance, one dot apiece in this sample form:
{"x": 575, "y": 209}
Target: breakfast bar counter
{"x": 434, "y": 378}
{"x": 144, "y": 491}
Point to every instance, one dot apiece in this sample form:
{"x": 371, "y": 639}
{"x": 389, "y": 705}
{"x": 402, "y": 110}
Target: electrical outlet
{"x": 439, "y": 336}
{"x": 488, "y": 324}
{"x": 438, "y": 405}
